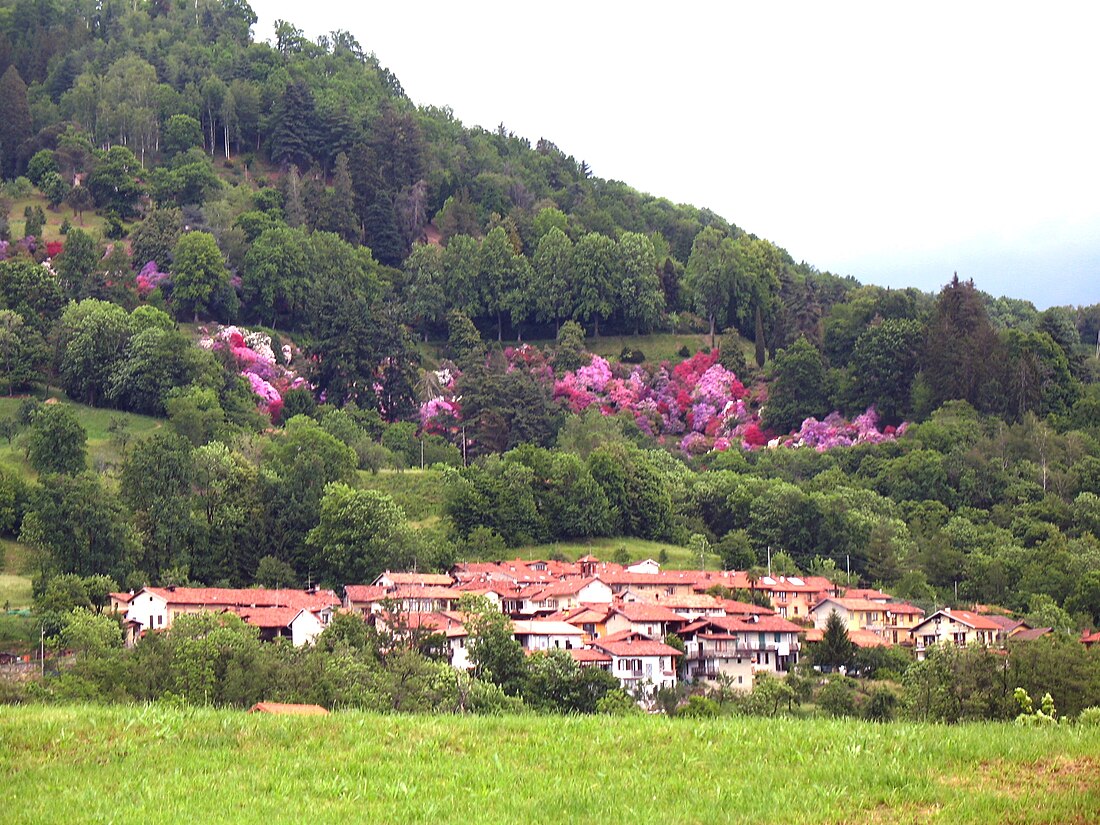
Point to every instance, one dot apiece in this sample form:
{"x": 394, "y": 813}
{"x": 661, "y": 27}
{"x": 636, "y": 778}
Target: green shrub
{"x": 1089, "y": 718}
{"x": 629, "y": 355}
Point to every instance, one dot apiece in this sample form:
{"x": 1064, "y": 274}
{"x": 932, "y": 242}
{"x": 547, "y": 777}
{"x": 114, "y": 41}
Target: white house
{"x": 154, "y": 608}
{"x": 652, "y": 620}
{"x": 957, "y": 627}
{"x": 646, "y": 566}
{"x": 713, "y": 651}
{"x": 547, "y": 634}
{"x": 641, "y": 665}
{"x": 564, "y": 595}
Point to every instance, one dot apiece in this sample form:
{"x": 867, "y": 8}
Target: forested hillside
{"x": 305, "y": 278}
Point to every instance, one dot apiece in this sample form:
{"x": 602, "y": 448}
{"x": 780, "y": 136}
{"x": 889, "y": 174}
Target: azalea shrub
{"x": 252, "y": 351}
{"x": 698, "y": 405}
{"x": 150, "y": 278}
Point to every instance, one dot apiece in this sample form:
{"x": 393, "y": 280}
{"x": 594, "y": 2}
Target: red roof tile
{"x": 636, "y": 647}
{"x": 245, "y": 597}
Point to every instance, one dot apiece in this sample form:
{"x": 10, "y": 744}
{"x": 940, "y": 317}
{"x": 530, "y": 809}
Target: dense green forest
{"x": 166, "y": 176}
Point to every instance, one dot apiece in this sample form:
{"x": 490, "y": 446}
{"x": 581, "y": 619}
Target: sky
{"x": 897, "y": 143}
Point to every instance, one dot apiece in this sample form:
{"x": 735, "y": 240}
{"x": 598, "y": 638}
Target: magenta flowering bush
{"x": 835, "y": 431}
{"x": 254, "y": 356}
{"x": 149, "y": 278}
{"x": 699, "y": 405}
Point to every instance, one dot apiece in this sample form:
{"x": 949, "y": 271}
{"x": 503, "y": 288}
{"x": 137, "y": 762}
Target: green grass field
{"x": 679, "y": 558}
{"x": 418, "y": 492}
{"x": 102, "y": 449}
{"x": 95, "y": 764}
{"x": 93, "y": 224}
{"x": 657, "y": 347}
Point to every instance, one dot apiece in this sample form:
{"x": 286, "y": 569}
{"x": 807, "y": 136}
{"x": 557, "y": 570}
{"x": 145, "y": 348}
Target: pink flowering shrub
{"x": 698, "y": 404}
{"x": 255, "y": 358}
{"x": 149, "y": 278}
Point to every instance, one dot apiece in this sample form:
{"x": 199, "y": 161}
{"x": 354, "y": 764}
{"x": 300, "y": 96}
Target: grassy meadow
{"x": 97, "y": 764}
{"x": 92, "y": 223}
{"x": 103, "y": 449}
{"x": 679, "y": 558}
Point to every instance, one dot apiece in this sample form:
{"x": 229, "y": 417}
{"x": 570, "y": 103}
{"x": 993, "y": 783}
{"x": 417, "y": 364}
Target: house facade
{"x": 957, "y": 627}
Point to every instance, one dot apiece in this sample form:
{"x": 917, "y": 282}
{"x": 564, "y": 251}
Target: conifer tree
{"x": 15, "y": 120}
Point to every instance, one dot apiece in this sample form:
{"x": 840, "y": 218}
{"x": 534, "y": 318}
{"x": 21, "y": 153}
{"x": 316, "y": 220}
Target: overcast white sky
{"x": 893, "y": 142}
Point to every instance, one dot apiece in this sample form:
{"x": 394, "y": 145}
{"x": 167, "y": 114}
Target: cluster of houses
{"x": 602, "y": 614}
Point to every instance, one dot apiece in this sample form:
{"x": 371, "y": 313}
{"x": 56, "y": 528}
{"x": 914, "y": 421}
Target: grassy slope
{"x": 89, "y": 764}
{"x": 679, "y": 558}
{"x": 15, "y": 582}
{"x": 93, "y": 224}
{"x": 101, "y": 449}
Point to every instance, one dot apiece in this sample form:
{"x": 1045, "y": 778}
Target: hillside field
{"x": 95, "y": 764}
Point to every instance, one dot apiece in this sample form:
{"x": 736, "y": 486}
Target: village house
{"x": 892, "y": 621}
{"x": 642, "y": 665}
{"x": 647, "y": 619}
{"x": 409, "y": 598}
{"x": 155, "y": 608}
{"x": 564, "y": 595}
{"x": 712, "y": 651}
{"x": 590, "y": 618}
{"x": 388, "y": 579}
{"x": 546, "y": 634}
{"x": 689, "y": 606}
{"x": 958, "y": 627}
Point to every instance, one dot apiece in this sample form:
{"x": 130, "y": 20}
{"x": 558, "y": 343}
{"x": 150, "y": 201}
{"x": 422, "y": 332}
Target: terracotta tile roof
{"x": 363, "y": 592}
{"x": 636, "y": 647}
{"x": 375, "y": 593}
{"x": 736, "y": 608}
{"x": 267, "y": 617}
{"x": 426, "y": 579}
{"x": 866, "y": 593}
{"x": 569, "y": 587}
{"x": 682, "y": 601}
{"x": 1031, "y": 633}
{"x": 867, "y": 638}
{"x": 972, "y": 620}
{"x": 647, "y": 612}
{"x": 1091, "y": 638}
{"x": 1006, "y": 623}
{"x": 245, "y": 597}
{"x": 758, "y": 624}
{"x": 902, "y": 608}
{"x": 544, "y": 627}
{"x": 588, "y": 655}
{"x": 284, "y": 709}
{"x": 121, "y": 597}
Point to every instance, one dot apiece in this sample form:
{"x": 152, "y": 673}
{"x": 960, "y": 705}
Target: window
{"x": 796, "y": 610}
{"x": 160, "y": 619}
{"x": 740, "y": 679}
{"x": 777, "y": 638}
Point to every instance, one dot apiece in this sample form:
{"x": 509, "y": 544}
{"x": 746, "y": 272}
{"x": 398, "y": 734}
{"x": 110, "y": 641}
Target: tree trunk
{"x": 712, "y": 331}
{"x": 500, "y": 328}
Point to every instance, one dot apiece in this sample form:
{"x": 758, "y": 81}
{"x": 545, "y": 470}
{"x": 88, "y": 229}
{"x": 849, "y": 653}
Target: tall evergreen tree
{"x": 340, "y": 216}
{"x": 962, "y": 357}
{"x": 15, "y": 121}
{"x": 293, "y": 135}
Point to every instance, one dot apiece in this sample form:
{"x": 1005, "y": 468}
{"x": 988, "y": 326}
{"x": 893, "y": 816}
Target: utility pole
{"x": 42, "y": 650}
{"x": 848, "y": 564}
{"x": 769, "y": 561}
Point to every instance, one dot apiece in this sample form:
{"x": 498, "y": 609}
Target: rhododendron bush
{"x": 698, "y": 405}
{"x": 149, "y": 278}
{"x": 269, "y": 377}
